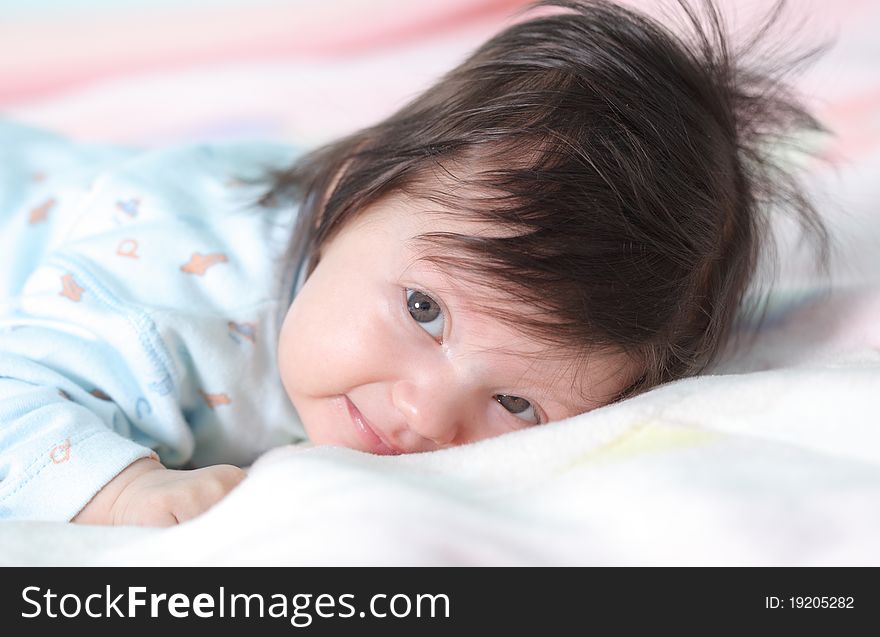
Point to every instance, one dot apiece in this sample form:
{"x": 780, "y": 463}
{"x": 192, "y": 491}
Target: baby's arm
{"x": 63, "y": 456}
{"x": 57, "y": 443}
{"x": 93, "y": 377}
{"x": 148, "y": 494}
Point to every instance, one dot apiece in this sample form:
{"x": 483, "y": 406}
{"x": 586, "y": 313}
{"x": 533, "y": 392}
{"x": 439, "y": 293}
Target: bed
{"x": 771, "y": 458}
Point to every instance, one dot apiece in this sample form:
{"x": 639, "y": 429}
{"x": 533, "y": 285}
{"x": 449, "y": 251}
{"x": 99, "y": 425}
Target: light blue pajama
{"x": 141, "y": 295}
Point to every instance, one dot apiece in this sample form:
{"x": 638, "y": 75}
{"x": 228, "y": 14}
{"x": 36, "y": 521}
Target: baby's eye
{"x": 426, "y": 312}
{"x": 519, "y": 406}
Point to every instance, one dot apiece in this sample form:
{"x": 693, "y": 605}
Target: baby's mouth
{"x": 368, "y": 434}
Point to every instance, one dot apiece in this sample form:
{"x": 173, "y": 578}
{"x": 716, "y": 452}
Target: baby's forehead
{"x": 434, "y": 205}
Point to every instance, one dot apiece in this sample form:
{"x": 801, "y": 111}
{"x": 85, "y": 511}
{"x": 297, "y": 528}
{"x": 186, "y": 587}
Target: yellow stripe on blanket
{"x": 651, "y": 438}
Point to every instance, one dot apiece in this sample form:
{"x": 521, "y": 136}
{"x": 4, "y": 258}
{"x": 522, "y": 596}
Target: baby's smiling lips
{"x": 368, "y": 433}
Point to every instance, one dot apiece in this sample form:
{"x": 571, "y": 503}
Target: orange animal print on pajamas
{"x": 39, "y": 213}
{"x": 215, "y": 400}
{"x": 71, "y": 289}
{"x": 60, "y": 453}
{"x": 199, "y": 263}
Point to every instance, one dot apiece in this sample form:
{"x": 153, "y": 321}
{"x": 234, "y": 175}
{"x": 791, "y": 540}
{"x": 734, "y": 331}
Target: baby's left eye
{"x": 426, "y": 312}
{"x": 520, "y": 407}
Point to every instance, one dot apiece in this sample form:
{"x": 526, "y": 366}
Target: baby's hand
{"x": 148, "y": 494}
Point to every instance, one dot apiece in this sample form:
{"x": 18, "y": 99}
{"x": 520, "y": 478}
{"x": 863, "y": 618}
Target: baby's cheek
{"x": 315, "y": 348}
{"x": 285, "y": 359}
{"x": 338, "y": 335}
{"x": 296, "y": 346}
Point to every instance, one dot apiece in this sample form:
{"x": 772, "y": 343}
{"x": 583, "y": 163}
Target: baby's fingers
{"x": 209, "y": 486}
{"x": 219, "y": 478}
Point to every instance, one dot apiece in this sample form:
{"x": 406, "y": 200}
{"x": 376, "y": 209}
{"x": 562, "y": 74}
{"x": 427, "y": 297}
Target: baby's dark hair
{"x": 630, "y": 168}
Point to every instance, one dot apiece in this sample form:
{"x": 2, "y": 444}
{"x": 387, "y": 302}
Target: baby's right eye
{"x": 426, "y": 312}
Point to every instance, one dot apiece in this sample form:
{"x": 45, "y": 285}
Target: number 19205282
{"x": 813, "y": 601}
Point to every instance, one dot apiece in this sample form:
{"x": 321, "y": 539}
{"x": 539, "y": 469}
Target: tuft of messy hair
{"x": 630, "y": 168}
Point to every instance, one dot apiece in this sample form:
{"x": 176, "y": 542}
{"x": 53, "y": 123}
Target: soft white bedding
{"x": 775, "y": 467}
{"x": 772, "y": 459}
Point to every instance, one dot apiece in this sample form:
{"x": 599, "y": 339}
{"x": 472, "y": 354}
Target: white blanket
{"x": 776, "y": 467}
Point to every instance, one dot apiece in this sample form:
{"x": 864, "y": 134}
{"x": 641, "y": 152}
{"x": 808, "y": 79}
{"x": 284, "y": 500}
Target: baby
{"x": 569, "y": 218}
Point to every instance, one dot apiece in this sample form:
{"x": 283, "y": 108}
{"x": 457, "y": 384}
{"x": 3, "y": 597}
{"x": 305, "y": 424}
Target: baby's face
{"x": 387, "y": 354}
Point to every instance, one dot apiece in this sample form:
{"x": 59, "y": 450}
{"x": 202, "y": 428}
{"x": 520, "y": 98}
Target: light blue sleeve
{"x": 58, "y": 446}
{"x": 61, "y": 440}
{"x": 113, "y": 345}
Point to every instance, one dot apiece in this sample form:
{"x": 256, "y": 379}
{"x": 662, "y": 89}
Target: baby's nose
{"x": 433, "y": 412}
